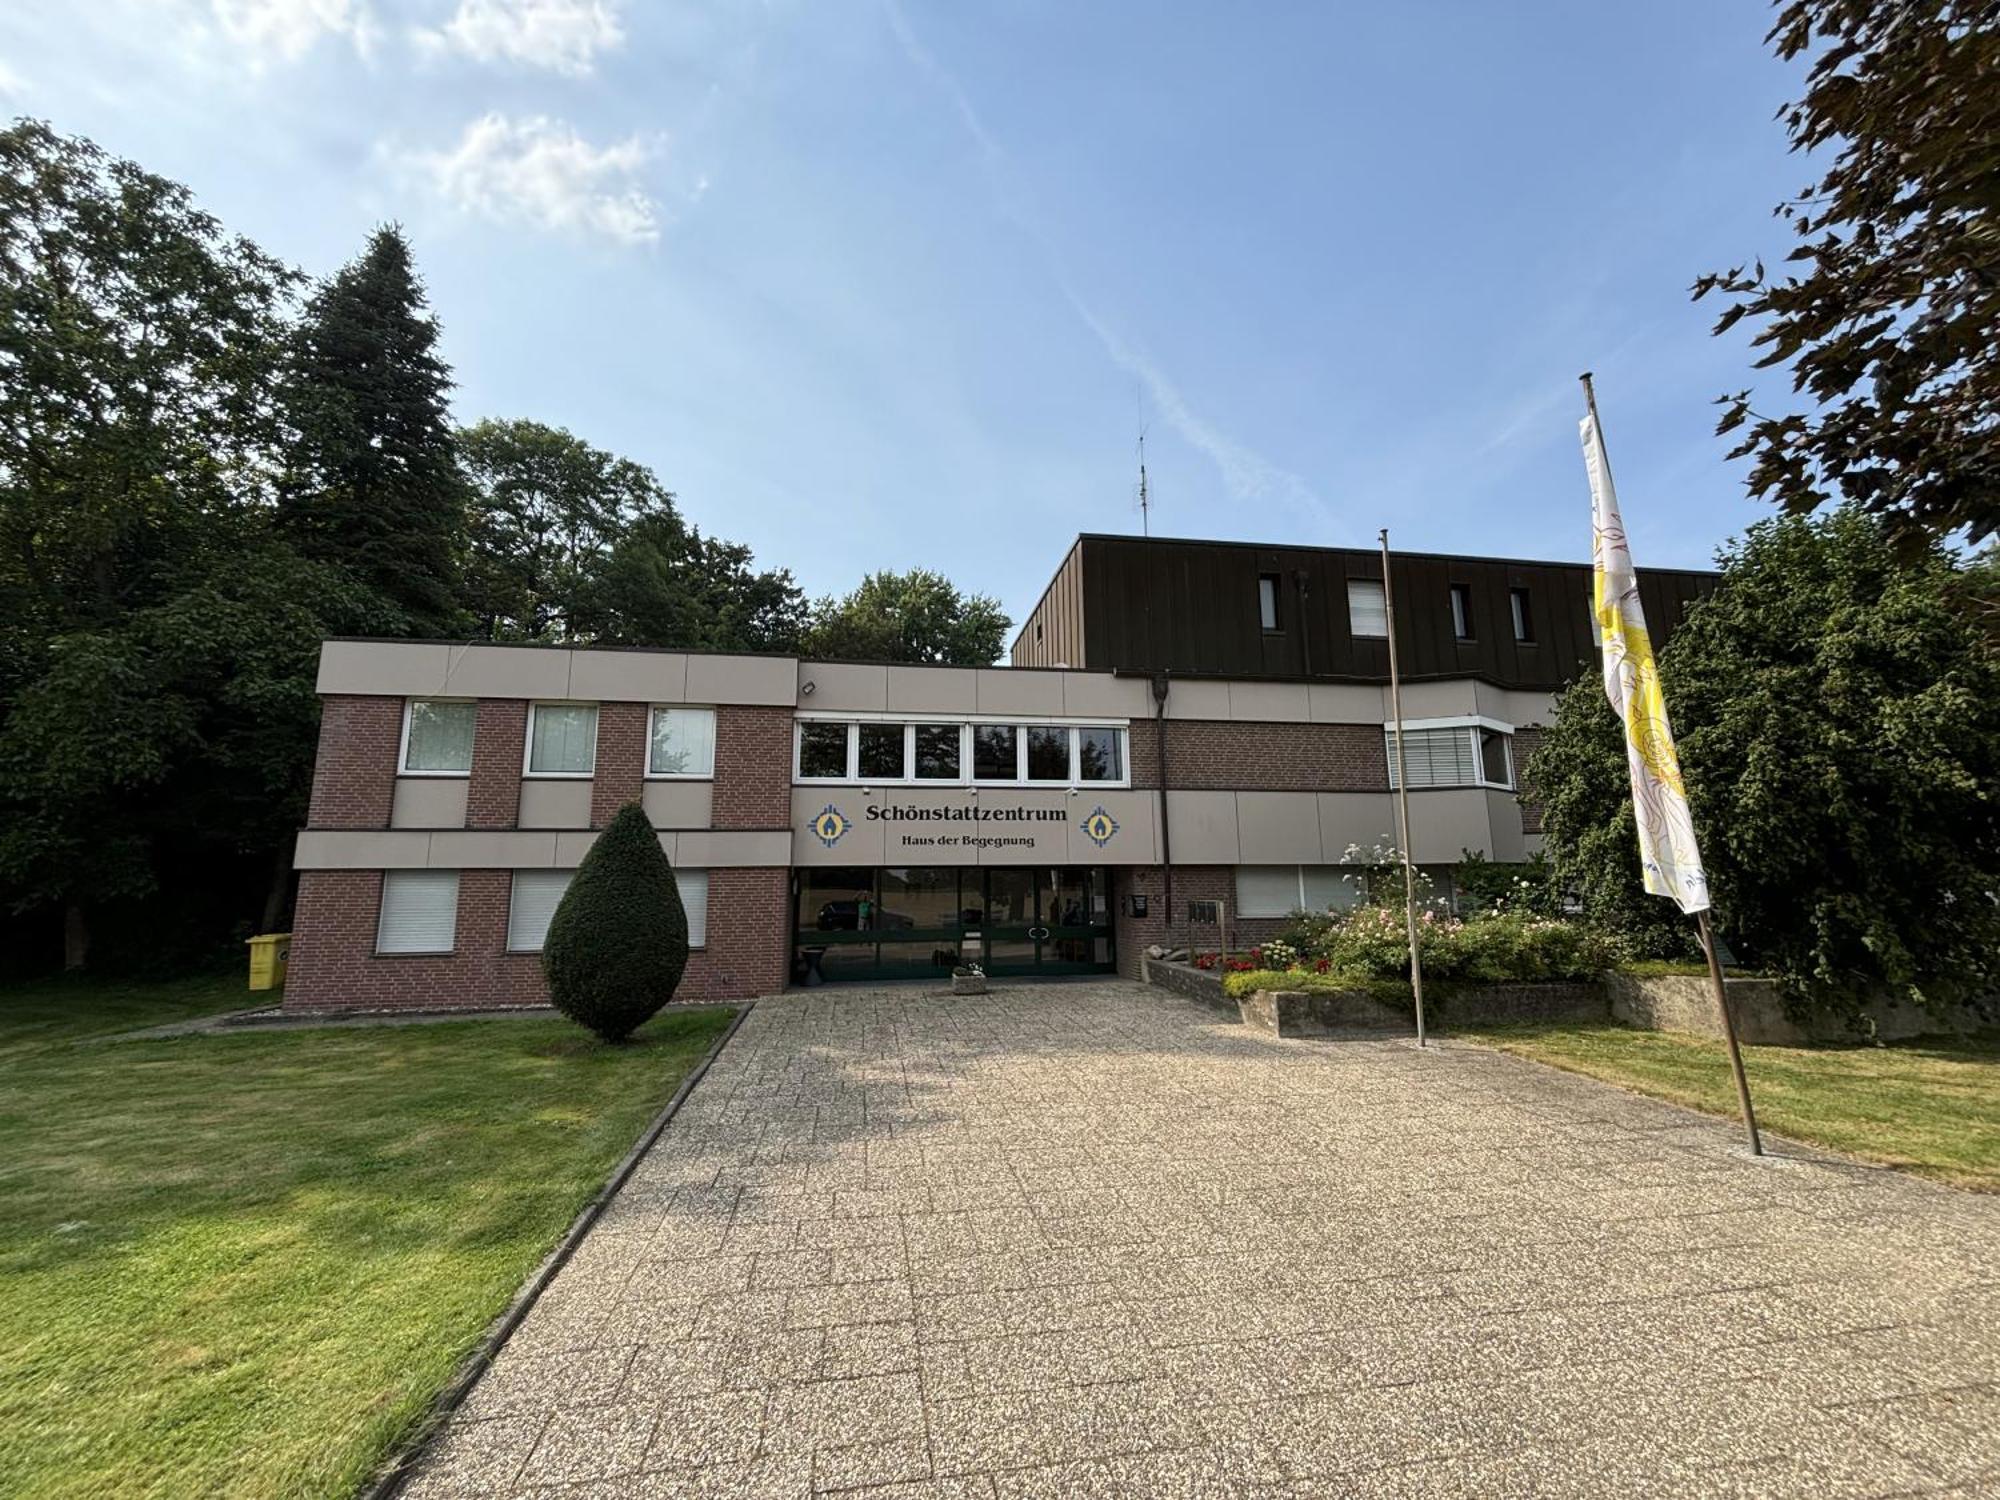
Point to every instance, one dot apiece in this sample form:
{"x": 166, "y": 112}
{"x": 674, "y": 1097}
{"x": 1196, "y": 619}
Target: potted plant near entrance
{"x": 968, "y": 979}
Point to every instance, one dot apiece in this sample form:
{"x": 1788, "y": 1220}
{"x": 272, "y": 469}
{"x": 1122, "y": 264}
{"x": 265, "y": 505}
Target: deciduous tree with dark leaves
{"x": 1889, "y": 320}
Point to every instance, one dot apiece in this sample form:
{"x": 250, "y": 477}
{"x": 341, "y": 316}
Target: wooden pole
{"x": 1729, "y": 1031}
{"x": 1403, "y": 795}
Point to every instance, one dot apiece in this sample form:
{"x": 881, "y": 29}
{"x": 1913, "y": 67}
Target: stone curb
{"x": 389, "y": 1481}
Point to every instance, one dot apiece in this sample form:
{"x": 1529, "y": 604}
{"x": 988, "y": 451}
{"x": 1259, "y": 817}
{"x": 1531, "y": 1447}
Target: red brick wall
{"x": 334, "y": 965}
{"x": 1191, "y": 883}
{"x": 621, "y": 759}
{"x": 753, "y": 768}
{"x": 1227, "y": 755}
{"x": 354, "y": 777}
{"x": 1526, "y": 741}
{"x": 499, "y": 740}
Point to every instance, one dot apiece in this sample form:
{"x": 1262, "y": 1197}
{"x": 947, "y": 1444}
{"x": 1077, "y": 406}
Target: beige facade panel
{"x": 763, "y": 680}
{"x": 429, "y": 802}
{"x": 557, "y": 803}
{"x": 1445, "y": 823}
{"x": 731, "y": 849}
{"x": 1280, "y": 702}
{"x": 1345, "y": 703}
{"x": 1094, "y": 695}
{"x": 507, "y": 672}
{"x": 839, "y": 687}
{"x": 1433, "y": 700}
{"x": 1348, "y": 818}
{"x": 953, "y": 826}
{"x": 933, "y": 690}
{"x": 1028, "y": 694}
{"x": 1135, "y": 836}
{"x": 1203, "y": 828}
{"x": 492, "y": 849}
{"x": 571, "y": 847}
{"x": 1197, "y": 699}
{"x": 679, "y": 804}
{"x": 368, "y": 849}
{"x": 1505, "y": 840}
{"x": 629, "y": 676}
{"x": 1512, "y": 706}
{"x": 1278, "y": 828}
{"x": 392, "y": 669}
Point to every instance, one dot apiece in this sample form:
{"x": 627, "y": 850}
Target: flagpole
{"x": 1403, "y": 795}
{"x": 1702, "y": 926}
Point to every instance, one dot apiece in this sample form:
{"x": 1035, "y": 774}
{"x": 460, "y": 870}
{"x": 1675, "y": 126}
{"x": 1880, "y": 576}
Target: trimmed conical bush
{"x": 618, "y": 942}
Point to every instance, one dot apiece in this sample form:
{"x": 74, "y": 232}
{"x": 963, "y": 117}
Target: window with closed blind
{"x": 1280, "y": 890}
{"x": 1459, "y": 752}
{"x": 1367, "y": 612}
{"x": 562, "y": 739}
{"x": 419, "y": 911}
{"x": 437, "y": 736}
{"x": 537, "y": 893}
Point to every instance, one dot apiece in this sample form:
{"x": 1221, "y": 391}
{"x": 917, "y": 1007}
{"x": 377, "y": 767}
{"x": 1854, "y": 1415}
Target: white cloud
{"x": 562, "y": 35}
{"x": 285, "y": 30}
{"x": 539, "y": 171}
{"x": 11, "y": 86}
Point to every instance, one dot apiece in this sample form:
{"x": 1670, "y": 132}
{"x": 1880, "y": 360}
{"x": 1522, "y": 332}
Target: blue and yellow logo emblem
{"x": 1098, "y": 826}
{"x": 830, "y": 825}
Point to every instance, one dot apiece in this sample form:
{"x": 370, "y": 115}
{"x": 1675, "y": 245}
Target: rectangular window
{"x": 1461, "y": 611}
{"x": 694, "y": 899}
{"x": 1101, "y": 754}
{"x": 537, "y": 894}
{"x": 1280, "y": 890}
{"x": 1048, "y": 752}
{"x": 1367, "y": 615}
{"x": 562, "y": 739}
{"x": 822, "y": 750}
{"x": 882, "y": 752}
{"x": 938, "y": 752}
{"x": 1267, "y": 600}
{"x": 683, "y": 743}
{"x": 1458, "y": 755}
{"x": 995, "y": 756}
{"x": 437, "y": 736}
{"x": 1524, "y": 619}
{"x": 419, "y": 911}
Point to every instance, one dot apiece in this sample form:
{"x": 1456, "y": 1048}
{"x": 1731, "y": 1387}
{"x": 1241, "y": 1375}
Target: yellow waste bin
{"x": 268, "y": 952}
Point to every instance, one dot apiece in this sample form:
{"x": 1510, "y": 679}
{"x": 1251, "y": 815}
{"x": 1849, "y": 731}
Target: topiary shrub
{"x": 618, "y": 943}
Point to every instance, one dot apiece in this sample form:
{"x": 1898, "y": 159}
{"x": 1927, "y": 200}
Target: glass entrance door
{"x": 1046, "y": 920}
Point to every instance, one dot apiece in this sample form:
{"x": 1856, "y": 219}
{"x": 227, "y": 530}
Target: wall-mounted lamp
{"x": 806, "y": 688}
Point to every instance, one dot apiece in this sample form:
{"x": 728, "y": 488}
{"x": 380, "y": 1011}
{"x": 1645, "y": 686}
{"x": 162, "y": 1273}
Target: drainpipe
{"x": 1166, "y": 837}
{"x": 1304, "y": 583}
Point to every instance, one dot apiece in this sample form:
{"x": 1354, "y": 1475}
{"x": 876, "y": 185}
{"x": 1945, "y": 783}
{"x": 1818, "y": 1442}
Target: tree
{"x": 547, "y": 508}
{"x": 138, "y": 347}
{"x": 618, "y": 942}
{"x": 1838, "y": 710}
{"x": 1889, "y": 325}
{"x": 372, "y": 481}
{"x": 665, "y": 584}
{"x": 918, "y": 616}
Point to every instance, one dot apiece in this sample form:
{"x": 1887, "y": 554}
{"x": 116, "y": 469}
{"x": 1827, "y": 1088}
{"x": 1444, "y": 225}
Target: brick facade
{"x": 1133, "y": 935}
{"x": 621, "y": 759}
{"x": 1527, "y": 739}
{"x": 499, "y": 743}
{"x": 334, "y": 965}
{"x": 753, "y": 764}
{"x": 1221, "y": 755}
{"x": 354, "y": 776}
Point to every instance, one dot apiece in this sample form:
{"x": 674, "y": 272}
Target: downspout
{"x": 1166, "y": 836}
{"x": 1305, "y": 619}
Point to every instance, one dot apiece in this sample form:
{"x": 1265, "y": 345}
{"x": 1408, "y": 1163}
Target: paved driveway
{"x": 1086, "y": 1240}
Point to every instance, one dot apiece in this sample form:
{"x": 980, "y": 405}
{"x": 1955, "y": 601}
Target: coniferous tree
{"x": 372, "y": 481}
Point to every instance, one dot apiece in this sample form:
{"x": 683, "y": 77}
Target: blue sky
{"x": 886, "y": 283}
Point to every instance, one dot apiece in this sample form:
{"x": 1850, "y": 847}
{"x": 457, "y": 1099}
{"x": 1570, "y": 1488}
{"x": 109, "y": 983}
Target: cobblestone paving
{"x": 1086, "y": 1240}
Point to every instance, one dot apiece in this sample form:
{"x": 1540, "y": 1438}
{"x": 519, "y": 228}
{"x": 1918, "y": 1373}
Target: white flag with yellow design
{"x": 1659, "y": 800}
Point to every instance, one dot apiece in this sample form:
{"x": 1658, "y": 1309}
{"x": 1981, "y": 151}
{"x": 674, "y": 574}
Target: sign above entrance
{"x": 963, "y": 825}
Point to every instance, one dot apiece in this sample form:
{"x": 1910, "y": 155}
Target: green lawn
{"x": 1931, "y": 1107}
{"x": 244, "y": 1264}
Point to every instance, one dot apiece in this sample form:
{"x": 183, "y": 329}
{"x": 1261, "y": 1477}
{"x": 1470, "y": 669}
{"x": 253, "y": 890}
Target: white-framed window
{"x": 1367, "y": 610}
{"x": 1280, "y": 890}
{"x": 437, "y": 736}
{"x": 681, "y": 744}
{"x": 1454, "y": 752}
{"x": 419, "y": 912}
{"x": 994, "y": 751}
{"x": 537, "y": 894}
{"x": 562, "y": 740}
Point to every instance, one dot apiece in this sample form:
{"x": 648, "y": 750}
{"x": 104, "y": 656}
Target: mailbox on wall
{"x": 1135, "y": 904}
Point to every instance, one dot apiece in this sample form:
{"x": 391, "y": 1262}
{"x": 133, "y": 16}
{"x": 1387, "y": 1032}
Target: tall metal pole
{"x": 1403, "y": 795}
{"x": 1707, "y": 933}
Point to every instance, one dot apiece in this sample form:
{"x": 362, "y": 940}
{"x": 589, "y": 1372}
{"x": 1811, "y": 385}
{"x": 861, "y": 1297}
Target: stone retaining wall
{"x": 1684, "y": 1002}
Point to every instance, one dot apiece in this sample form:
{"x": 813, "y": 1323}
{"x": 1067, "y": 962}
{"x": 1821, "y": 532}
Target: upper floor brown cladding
{"x": 1243, "y": 610}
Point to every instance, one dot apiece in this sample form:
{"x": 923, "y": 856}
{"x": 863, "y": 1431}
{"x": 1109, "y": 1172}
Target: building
{"x": 838, "y": 821}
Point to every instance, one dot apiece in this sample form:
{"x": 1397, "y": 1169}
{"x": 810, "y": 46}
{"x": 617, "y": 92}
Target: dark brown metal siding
{"x": 1057, "y": 619}
{"x": 1193, "y": 607}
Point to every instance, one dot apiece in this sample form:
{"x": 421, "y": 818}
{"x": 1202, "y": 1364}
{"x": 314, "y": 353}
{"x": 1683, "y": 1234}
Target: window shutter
{"x": 1436, "y": 757}
{"x": 1331, "y": 888}
{"x": 1267, "y": 890}
{"x": 537, "y": 893}
{"x": 694, "y": 897}
{"x": 419, "y": 911}
{"x": 1367, "y": 611}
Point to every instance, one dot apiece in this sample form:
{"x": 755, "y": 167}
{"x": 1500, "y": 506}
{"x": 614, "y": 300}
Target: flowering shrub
{"x": 1495, "y": 948}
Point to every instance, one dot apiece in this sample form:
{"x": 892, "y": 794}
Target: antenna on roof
{"x": 1145, "y": 502}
